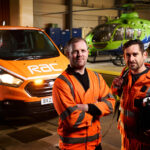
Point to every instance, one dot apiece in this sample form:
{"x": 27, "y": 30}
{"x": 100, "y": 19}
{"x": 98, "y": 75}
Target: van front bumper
{"x": 20, "y": 108}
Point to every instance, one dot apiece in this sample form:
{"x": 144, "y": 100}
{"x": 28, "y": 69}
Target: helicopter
{"x": 107, "y": 39}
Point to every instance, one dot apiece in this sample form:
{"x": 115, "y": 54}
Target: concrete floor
{"x": 28, "y": 137}
{"x": 105, "y": 67}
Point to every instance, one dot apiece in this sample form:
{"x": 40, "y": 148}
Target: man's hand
{"x": 83, "y": 107}
{"x": 118, "y": 81}
{"x": 146, "y": 102}
{"x": 147, "y": 132}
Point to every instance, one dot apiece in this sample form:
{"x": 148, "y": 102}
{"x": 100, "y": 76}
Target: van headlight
{"x": 10, "y": 80}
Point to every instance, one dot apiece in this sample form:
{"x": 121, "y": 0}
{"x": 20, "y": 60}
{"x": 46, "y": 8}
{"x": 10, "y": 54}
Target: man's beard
{"x": 80, "y": 64}
{"x": 133, "y": 66}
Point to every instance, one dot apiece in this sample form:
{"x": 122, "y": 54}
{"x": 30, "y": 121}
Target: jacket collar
{"x": 71, "y": 71}
{"x": 148, "y": 66}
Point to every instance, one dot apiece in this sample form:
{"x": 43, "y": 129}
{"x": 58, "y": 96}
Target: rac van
{"x": 29, "y": 64}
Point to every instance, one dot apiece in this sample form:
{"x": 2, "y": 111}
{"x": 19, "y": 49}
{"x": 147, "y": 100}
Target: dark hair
{"x": 132, "y": 42}
{"x": 73, "y": 40}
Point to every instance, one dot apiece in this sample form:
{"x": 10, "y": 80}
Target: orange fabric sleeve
{"x": 64, "y": 103}
{"x": 106, "y": 101}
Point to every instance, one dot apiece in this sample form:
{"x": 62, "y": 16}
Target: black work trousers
{"x": 98, "y": 147}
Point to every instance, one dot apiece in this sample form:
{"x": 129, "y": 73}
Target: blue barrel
{"x": 54, "y": 33}
{"x": 64, "y": 37}
{"x": 76, "y": 32}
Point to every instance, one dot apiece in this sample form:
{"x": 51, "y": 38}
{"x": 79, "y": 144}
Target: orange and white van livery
{"x": 29, "y": 64}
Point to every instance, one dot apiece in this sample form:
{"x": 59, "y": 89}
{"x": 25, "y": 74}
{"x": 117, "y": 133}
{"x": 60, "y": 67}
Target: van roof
{"x": 18, "y": 27}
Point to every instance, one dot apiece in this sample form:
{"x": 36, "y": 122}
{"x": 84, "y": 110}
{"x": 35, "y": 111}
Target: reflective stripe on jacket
{"x": 77, "y": 128}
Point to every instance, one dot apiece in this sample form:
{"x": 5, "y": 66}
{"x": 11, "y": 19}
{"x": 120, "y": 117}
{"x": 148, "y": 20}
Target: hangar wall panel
{"x": 95, "y": 3}
{"x": 45, "y": 13}
{"x": 144, "y": 14}
{"x": 48, "y": 11}
{"x": 21, "y": 12}
{"x": 26, "y": 12}
{"x": 14, "y": 15}
{"x": 51, "y": 1}
{"x": 42, "y": 22}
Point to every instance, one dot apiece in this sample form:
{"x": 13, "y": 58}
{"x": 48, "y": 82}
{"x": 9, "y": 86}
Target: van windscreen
{"x": 25, "y": 44}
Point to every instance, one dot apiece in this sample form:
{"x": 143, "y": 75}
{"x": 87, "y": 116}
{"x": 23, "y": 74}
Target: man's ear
{"x": 124, "y": 56}
{"x": 145, "y": 54}
{"x": 67, "y": 54}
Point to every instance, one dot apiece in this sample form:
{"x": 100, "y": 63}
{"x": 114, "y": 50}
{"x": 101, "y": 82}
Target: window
{"x": 119, "y": 35}
{"x": 139, "y": 32}
{"x": 103, "y": 33}
{"x": 129, "y": 34}
{"x": 25, "y": 44}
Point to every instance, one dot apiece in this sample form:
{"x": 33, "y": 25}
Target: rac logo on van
{"x": 43, "y": 68}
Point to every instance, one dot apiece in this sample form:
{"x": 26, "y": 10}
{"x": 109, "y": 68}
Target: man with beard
{"x": 133, "y": 87}
{"x": 80, "y": 98}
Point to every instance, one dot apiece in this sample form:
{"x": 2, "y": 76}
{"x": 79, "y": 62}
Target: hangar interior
{"x": 65, "y": 14}
{"x": 63, "y": 18}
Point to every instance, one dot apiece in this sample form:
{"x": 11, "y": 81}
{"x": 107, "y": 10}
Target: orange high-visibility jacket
{"x": 129, "y": 119}
{"x": 77, "y": 129}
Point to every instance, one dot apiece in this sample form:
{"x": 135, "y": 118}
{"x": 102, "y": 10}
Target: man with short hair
{"x": 80, "y": 98}
{"x": 133, "y": 87}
